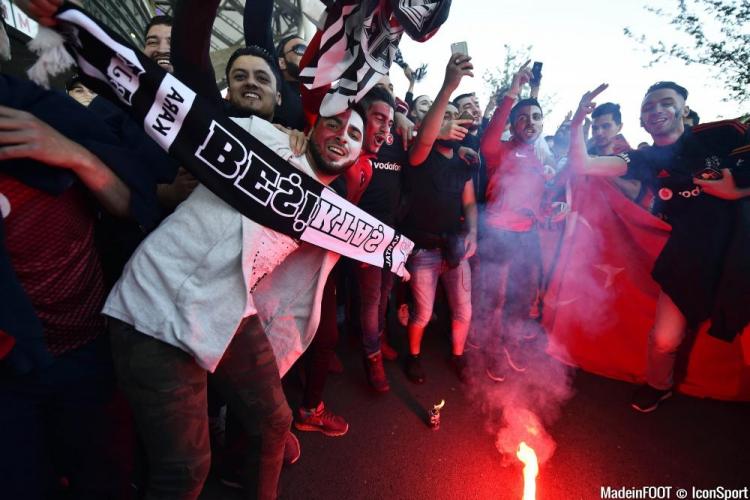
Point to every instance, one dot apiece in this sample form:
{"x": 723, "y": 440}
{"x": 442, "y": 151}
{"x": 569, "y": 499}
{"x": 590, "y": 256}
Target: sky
{"x": 581, "y": 44}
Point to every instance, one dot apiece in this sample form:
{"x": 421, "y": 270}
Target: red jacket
{"x": 516, "y": 182}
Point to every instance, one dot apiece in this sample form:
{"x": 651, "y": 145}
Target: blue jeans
{"x": 426, "y": 268}
{"x": 374, "y": 287}
{"x": 520, "y": 254}
{"x": 664, "y": 341}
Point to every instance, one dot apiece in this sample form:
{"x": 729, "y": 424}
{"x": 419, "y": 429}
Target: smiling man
{"x": 703, "y": 217}
{"x": 185, "y": 304}
{"x": 254, "y": 84}
{"x": 158, "y": 46}
{"x": 313, "y": 415}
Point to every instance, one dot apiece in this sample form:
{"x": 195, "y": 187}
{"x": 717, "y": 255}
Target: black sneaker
{"x": 376, "y": 373}
{"x": 414, "y": 370}
{"x": 460, "y": 366}
{"x": 646, "y": 398}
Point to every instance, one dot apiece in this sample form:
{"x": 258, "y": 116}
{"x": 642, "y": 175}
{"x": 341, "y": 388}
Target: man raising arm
{"x": 690, "y": 267}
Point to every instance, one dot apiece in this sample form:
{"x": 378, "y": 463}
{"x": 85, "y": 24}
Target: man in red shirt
{"x": 514, "y": 196}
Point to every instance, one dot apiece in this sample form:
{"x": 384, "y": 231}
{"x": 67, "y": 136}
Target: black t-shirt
{"x": 691, "y": 263}
{"x": 290, "y": 113}
{"x": 436, "y": 189}
{"x": 669, "y": 170}
{"x": 479, "y": 175}
{"x": 382, "y": 195}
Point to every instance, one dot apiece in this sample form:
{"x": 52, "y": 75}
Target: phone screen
{"x": 709, "y": 174}
{"x": 536, "y": 73}
{"x": 460, "y": 48}
{"x": 466, "y": 116}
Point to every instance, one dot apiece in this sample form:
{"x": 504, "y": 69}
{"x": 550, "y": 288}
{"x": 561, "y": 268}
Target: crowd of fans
{"x": 97, "y": 219}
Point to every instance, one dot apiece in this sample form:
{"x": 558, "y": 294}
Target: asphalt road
{"x": 389, "y": 452}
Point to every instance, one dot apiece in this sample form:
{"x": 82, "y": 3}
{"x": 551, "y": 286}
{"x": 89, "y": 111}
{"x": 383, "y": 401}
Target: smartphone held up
{"x": 536, "y": 74}
{"x": 460, "y": 48}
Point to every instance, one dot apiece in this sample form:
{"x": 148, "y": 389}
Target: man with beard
{"x": 442, "y": 194}
{"x": 514, "y": 196}
{"x": 186, "y": 306}
{"x": 158, "y": 46}
{"x": 313, "y": 415}
{"x": 468, "y": 104}
{"x": 707, "y": 228}
{"x": 289, "y": 52}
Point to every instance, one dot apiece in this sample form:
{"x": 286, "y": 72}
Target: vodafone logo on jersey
{"x": 691, "y": 193}
{"x": 386, "y": 165}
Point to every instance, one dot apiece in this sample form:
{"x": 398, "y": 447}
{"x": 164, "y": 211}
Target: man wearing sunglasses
{"x": 289, "y": 51}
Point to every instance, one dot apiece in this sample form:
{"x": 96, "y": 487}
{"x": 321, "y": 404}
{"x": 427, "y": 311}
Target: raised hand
{"x": 454, "y": 130}
{"x": 458, "y": 66}
{"x": 521, "y": 78}
{"x": 587, "y": 104}
{"x": 468, "y": 155}
{"x": 409, "y": 74}
{"x": 405, "y": 128}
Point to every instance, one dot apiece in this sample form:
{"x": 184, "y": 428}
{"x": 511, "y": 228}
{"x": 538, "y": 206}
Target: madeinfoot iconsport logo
{"x": 670, "y": 492}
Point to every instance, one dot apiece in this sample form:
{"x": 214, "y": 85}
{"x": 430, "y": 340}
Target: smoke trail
{"x": 531, "y": 386}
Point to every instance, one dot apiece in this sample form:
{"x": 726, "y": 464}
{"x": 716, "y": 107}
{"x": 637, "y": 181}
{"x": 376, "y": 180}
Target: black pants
{"x": 318, "y": 357}
{"x": 65, "y": 421}
{"x": 167, "y": 391}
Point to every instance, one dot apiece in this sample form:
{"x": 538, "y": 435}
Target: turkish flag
{"x": 600, "y": 302}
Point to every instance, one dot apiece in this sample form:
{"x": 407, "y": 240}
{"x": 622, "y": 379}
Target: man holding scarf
{"x": 185, "y": 306}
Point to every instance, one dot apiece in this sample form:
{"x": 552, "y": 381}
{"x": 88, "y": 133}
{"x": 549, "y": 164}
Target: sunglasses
{"x": 298, "y": 49}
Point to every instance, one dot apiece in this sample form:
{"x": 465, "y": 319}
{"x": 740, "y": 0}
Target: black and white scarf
{"x": 359, "y": 42}
{"x": 224, "y": 157}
